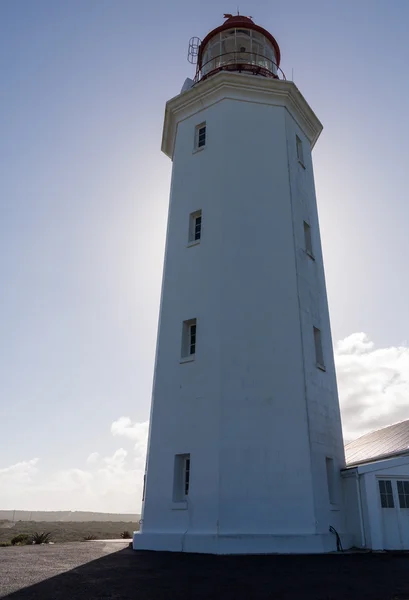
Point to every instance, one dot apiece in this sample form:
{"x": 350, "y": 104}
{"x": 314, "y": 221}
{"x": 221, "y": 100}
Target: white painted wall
{"x": 254, "y": 412}
{"x": 383, "y": 528}
{"x": 355, "y": 505}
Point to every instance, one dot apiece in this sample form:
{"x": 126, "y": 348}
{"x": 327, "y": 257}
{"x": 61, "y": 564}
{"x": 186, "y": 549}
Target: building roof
{"x": 381, "y": 444}
{"x": 233, "y": 21}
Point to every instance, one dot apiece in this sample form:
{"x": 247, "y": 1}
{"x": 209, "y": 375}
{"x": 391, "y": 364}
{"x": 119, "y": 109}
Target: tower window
{"x": 195, "y": 226}
{"x": 300, "y": 151}
{"x": 319, "y": 355}
{"x": 186, "y": 474}
{"x": 308, "y": 240}
{"x": 192, "y": 339}
{"x": 189, "y": 339}
{"x": 181, "y": 480}
{"x": 144, "y": 487}
{"x": 200, "y": 136}
{"x": 386, "y": 494}
{"x": 329, "y": 464}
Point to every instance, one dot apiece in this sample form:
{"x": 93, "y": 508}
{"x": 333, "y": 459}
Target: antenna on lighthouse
{"x": 193, "y": 50}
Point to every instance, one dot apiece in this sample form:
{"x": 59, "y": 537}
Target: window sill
{"x": 302, "y": 164}
{"x": 196, "y": 150}
{"x": 187, "y": 359}
{"x": 193, "y": 243}
{"x": 310, "y": 254}
{"x": 179, "y": 505}
{"x": 334, "y": 507}
{"x": 320, "y": 366}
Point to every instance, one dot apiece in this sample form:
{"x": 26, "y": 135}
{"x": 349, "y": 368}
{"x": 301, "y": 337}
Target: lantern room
{"x": 238, "y": 45}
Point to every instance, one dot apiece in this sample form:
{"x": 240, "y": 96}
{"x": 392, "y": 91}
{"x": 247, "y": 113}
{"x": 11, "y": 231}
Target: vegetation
{"x": 22, "y": 539}
{"x": 69, "y": 531}
{"x": 125, "y": 535}
{"x": 41, "y": 538}
{"x": 90, "y": 537}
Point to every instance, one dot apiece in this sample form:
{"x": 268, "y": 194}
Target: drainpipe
{"x": 361, "y": 518}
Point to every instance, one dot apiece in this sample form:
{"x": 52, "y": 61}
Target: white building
{"x": 245, "y": 447}
{"x": 376, "y": 488}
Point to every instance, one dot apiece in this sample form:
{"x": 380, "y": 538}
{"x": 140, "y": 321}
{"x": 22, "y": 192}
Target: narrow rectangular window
{"x": 403, "y": 493}
{"x": 329, "y": 464}
{"x": 181, "y": 480}
{"x": 189, "y": 338}
{"x": 186, "y": 474}
{"x": 144, "y": 487}
{"x": 200, "y": 136}
{"x": 195, "y": 226}
{"x": 319, "y": 355}
{"x": 386, "y": 494}
{"x": 307, "y": 239}
{"x": 300, "y": 151}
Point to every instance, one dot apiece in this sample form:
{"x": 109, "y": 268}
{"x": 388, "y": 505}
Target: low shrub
{"x": 90, "y": 537}
{"x": 41, "y": 538}
{"x": 4, "y": 544}
{"x": 21, "y": 539}
{"x": 125, "y": 535}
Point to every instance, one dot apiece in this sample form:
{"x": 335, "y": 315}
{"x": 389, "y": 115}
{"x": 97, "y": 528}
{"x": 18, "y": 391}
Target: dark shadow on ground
{"x": 125, "y": 574}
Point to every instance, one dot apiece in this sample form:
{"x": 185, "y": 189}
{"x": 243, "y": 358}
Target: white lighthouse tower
{"x": 245, "y": 444}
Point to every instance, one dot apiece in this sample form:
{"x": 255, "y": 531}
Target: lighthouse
{"x": 245, "y": 445}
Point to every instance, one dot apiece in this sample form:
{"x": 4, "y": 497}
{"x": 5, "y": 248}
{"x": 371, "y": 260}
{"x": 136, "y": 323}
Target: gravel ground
{"x": 111, "y": 570}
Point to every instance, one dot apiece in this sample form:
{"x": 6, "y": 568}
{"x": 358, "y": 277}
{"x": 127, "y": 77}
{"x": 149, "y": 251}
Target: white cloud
{"x": 108, "y": 484}
{"x": 373, "y": 384}
{"x": 93, "y": 458}
{"x": 68, "y": 480}
{"x": 134, "y": 431}
{"x": 18, "y": 474}
{"x": 374, "y": 392}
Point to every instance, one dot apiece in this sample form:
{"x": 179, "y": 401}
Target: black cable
{"x": 339, "y": 543}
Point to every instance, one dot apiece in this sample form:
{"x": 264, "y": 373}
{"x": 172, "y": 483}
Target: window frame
{"x": 189, "y": 340}
{"x": 331, "y": 482}
{"x": 192, "y": 339}
{"x": 386, "y": 496}
{"x": 200, "y": 144}
{"x": 181, "y": 481}
{"x": 308, "y": 240}
{"x": 193, "y": 218}
{"x": 186, "y": 475}
{"x": 319, "y": 349}
{"x": 403, "y": 494}
{"x": 300, "y": 150}
{"x": 144, "y": 487}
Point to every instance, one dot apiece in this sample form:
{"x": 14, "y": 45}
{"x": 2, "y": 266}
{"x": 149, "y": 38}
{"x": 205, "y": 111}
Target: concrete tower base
{"x": 238, "y": 543}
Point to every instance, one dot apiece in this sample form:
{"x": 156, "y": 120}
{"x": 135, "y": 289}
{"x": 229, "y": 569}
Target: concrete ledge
{"x": 235, "y": 543}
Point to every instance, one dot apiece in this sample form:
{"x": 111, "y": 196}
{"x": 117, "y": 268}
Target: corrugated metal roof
{"x": 378, "y": 444}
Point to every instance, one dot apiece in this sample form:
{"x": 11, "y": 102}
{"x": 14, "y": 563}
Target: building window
{"x": 192, "y": 339}
{"x": 403, "y": 492}
{"x": 200, "y": 136}
{"x": 181, "y": 483}
{"x": 385, "y": 490}
{"x": 144, "y": 487}
{"x": 329, "y": 464}
{"x": 195, "y": 226}
{"x": 308, "y": 240}
{"x": 319, "y": 354}
{"x": 189, "y": 339}
{"x": 186, "y": 474}
{"x": 300, "y": 151}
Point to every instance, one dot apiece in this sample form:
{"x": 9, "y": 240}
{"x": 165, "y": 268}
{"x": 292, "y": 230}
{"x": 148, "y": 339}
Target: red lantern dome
{"x": 238, "y": 45}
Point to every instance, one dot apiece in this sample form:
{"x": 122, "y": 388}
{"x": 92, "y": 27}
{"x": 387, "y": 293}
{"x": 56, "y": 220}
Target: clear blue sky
{"x": 84, "y": 194}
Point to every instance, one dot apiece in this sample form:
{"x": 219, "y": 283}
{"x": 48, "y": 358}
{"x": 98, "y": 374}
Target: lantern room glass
{"x": 238, "y": 47}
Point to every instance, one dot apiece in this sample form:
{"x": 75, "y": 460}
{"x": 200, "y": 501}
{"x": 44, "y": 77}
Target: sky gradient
{"x": 84, "y": 192}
